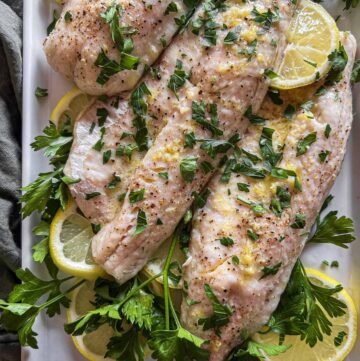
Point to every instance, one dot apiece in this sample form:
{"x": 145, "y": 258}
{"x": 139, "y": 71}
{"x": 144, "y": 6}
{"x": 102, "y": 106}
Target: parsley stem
{"x": 61, "y": 295}
{"x": 138, "y": 288}
{"x": 166, "y": 276}
{"x": 176, "y": 318}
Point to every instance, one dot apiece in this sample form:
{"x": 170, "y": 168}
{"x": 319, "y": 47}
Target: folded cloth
{"x": 10, "y": 153}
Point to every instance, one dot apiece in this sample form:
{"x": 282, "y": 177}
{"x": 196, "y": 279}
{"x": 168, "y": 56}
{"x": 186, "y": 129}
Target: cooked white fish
{"x": 110, "y": 180}
{"x": 250, "y": 226}
{"x": 227, "y": 76}
{"x": 81, "y": 34}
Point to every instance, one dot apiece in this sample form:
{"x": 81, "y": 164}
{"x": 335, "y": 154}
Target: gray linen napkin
{"x": 10, "y": 153}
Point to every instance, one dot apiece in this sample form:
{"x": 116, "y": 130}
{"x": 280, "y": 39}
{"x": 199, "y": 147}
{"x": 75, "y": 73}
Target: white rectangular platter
{"x": 54, "y": 344}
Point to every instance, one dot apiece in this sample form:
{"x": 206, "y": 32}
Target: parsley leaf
{"x": 188, "y": 167}
{"x": 300, "y": 221}
{"x": 338, "y": 60}
{"x": 335, "y": 230}
{"x": 141, "y": 222}
{"x": 178, "y": 78}
{"x": 179, "y": 345}
{"x": 266, "y": 147}
{"x": 299, "y": 311}
{"x": 271, "y": 270}
{"x": 226, "y": 241}
{"x": 41, "y": 93}
{"x": 254, "y": 119}
{"x": 254, "y": 349}
{"x": 221, "y": 312}
{"x": 198, "y": 114}
{"x": 140, "y": 109}
{"x": 304, "y": 144}
{"x": 266, "y": 19}
{"x": 126, "y": 346}
{"x": 136, "y": 196}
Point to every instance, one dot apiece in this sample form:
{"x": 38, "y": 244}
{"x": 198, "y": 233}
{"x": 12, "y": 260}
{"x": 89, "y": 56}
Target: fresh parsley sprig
{"x": 21, "y": 310}
{"x": 335, "y": 230}
{"x": 299, "y": 312}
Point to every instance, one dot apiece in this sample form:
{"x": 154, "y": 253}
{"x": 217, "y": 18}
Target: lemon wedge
{"x": 92, "y": 345}
{"x": 70, "y": 107}
{"x": 334, "y": 347}
{"x": 312, "y": 37}
{"x": 70, "y": 244}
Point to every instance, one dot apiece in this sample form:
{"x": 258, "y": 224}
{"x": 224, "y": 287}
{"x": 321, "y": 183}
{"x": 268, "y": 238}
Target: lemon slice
{"x": 325, "y": 350}
{"x": 70, "y": 241}
{"x": 92, "y": 345}
{"x": 312, "y": 37}
{"x": 70, "y": 107}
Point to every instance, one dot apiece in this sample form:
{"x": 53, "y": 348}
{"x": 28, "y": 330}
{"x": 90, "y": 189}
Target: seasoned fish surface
{"x": 74, "y": 45}
{"x": 227, "y": 76}
{"x": 266, "y": 219}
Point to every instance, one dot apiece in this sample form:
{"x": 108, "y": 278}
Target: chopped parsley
{"x": 270, "y": 74}
{"x": 106, "y": 156}
{"x": 266, "y": 19}
{"x": 171, "y": 8}
{"x": 231, "y": 37}
{"x": 299, "y": 222}
{"x": 271, "y": 270}
{"x": 126, "y": 150}
{"x": 266, "y": 147}
{"x": 92, "y": 195}
{"x": 190, "y": 140}
{"x": 188, "y": 167}
{"x": 141, "y": 223}
{"x": 200, "y": 199}
{"x": 323, "y": 155}
{"x": 178, "y": 78}
{"x": 121, "y": 37}
{"x": 235, "y": 260}
{"x": 114, "y": 182}
{"x": 252, "y": 235}
{"x": 164, "y": 175}
{"x": 253, "y": 118}
{"x": 198, "y": 114}
{"x": 102, "y": 115}
{"x": 206, "y": 167}
{"x": 327, "y": 130}
{"x": 140, "y": 109}
{"x": 214, "y": 147}
{"x": 305, "y": 143}
{"x": 136, "y": 196}
{"x": 41, "y": 92}
{"x": 243, "y": 187}
{"x": 52, "y": 25}
{"x": 248, "y": 169}
{"x": 257, "y": 208}
{"x": 226, "y": 241}
{"x": 338, "y": 60}
{"x": 68, "y": 17}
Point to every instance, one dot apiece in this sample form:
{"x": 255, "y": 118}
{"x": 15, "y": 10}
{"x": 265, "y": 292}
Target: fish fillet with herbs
{"x": 104, "y": 48}
{"x": 226, "y": 53}
{"x": 247, "y": 238}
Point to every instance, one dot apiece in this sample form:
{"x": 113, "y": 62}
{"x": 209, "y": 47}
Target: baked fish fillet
{"x": 81, "y": 34}
{"x": 250, "y": 275}
{"x": 227, "y": 63}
